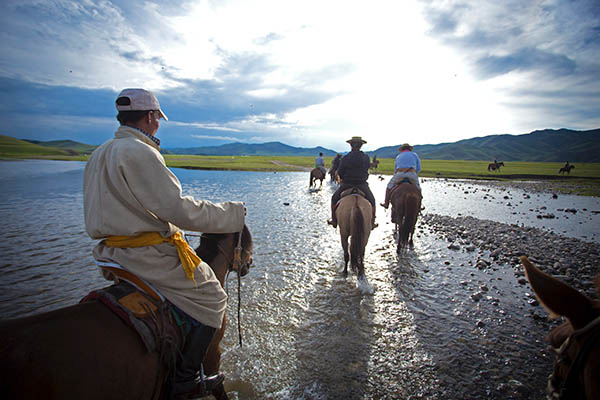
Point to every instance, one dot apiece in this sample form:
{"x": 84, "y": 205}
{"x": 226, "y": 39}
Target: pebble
{"x": 571, "y": 260}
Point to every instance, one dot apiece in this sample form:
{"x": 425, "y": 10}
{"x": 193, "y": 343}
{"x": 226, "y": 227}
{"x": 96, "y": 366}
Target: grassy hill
{"x": 69, "y": 146}
{"x": 546, "y": 145}
{"x": 15, "y": 148}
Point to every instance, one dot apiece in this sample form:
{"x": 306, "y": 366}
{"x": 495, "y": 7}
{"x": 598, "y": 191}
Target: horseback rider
{"x": 354, "y": 172}
{"x": 134, "y": 204}
{"x": 407, "y": 166}
{"x": 320, "y": 163}
{"x": 335, "y": 164}
{"x": 567, "y": 165}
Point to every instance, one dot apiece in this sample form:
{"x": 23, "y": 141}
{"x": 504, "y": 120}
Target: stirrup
{"x": 384, "y": 205}
{"x": 203, "y": 387}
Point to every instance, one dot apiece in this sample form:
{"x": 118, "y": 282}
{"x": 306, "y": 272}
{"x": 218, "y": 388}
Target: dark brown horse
{"x": 86, "y": 352}
{"x": 354, "y": 213}
{"x": 316, "y": 174}
{"x": 406, "y": 204}
{"x": 566, "y": 169}
{"x": 495, "y": 166}
{"x": 577, "y": 341}
{"x": 374, "y": 164}
{"x": 333, "y": 175}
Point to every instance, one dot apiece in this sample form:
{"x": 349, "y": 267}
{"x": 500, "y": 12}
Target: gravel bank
{"x": 493, "y": 244}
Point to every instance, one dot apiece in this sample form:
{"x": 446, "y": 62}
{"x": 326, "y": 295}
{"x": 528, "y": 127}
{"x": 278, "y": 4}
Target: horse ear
{"x": 558, "y": 297}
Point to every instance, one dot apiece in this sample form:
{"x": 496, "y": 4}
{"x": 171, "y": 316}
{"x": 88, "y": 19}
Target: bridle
{"x": 569, "y": 388}
{"x": 234, "y": 264}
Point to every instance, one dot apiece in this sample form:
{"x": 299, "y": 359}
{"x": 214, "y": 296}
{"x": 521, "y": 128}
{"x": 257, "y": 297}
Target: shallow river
{"x": 308, "y": 332}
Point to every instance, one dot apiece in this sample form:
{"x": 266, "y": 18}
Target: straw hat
{"x": 406, "y": 146}
{"x": 356, "y": 139}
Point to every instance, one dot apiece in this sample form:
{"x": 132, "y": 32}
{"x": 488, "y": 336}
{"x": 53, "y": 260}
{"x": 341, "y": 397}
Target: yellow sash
{"x": 187, "y": 256}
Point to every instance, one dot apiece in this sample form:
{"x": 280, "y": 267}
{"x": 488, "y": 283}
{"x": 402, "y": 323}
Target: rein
{"x": 234, "y": 264}
{"x": 566, "y": 389}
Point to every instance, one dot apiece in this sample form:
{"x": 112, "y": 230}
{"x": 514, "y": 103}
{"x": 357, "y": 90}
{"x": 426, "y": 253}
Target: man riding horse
{"x": 354, "y": 172}
{"x": 134, "y": 205}
{"x": 406, "y": 166}
{"x": 320, "y": 163}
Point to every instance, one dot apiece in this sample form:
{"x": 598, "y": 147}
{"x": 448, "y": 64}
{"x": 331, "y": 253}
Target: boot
{"x": 190, "y": 382}
{"x": 333, "y": 220}
{"x": 386, "y": 202}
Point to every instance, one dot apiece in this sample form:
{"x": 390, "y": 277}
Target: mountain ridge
{"x": 546, "y": 145}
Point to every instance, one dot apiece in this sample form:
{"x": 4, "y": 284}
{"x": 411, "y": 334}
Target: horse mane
{"x": 209, "y": 243}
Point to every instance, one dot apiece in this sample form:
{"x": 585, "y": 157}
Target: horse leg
{"x": 212, "y": 360}
{"x": 346, "y": 254}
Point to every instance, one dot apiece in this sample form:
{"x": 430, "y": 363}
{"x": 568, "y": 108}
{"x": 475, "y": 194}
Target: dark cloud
{"x": 525, "y": 59}
{"x": 500, "y": 37}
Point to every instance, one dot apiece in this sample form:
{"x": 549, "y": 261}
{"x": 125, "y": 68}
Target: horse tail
{"x": 411, "y": 210}
{"x": 356, "y": 233}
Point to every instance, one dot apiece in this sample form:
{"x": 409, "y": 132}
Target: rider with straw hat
{"x": 353, "y": 170}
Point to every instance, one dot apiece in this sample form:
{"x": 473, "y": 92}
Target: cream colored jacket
{"x": 129, "y": 190}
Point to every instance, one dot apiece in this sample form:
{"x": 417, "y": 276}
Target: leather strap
{"x": 128, "y": 276}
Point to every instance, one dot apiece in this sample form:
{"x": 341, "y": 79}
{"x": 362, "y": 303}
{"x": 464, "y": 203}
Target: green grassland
{"x": 583, "y": 180}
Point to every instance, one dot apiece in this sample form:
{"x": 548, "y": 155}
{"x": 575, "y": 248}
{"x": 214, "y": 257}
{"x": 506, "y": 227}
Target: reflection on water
{"x": 308, "y": 332}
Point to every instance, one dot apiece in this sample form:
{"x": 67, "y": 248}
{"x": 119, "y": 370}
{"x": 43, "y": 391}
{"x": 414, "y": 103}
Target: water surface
{"x": 308, "y": 332}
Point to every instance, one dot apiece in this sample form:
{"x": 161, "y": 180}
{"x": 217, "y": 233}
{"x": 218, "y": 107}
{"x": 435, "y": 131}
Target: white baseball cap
{"x": 139, "y": 100}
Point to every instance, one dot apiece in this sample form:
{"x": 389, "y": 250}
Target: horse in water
{"x": 333, "y": 175}
{"x": 576, "y": 372}
{"x": 85, "y": 351}
{"x": 374, "y": 164}
{"x": 316, "y": 174}
{"x": 406, "y": 204}
{"x": 566, "y": 169}
{"x": 354, "y": 215}
{"x": 495, "y": 166}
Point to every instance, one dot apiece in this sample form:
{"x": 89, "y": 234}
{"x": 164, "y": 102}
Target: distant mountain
{"x": 69, "y": 146}
{"x": 545, "y": 145}
{"x": 246, "y": 149}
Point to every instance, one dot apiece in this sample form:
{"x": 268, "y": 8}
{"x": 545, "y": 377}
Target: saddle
{"x": 399, "y": 185}
{"x": 158, "y": 323}
{"x": 352, "y": 190}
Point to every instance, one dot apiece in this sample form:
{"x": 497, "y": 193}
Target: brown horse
{"x": 333, "y": 175}
{"x": 495, "y": 166}
{"x": 354, "y": 214}
{"x": 576, "y": 372}
{"x": 406, "y": 204}
{"x": 86, "y": 352}
{"x": 566, "y": 169}
{"x": 374, "y": 164}
{"x": 316, "y": 174}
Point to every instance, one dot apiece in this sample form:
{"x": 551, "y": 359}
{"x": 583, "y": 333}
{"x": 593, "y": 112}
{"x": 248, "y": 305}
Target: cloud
{"x": 524, "y": 60}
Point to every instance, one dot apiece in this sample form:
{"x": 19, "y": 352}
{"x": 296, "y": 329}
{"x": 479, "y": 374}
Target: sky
{"x": 305, "y": 73}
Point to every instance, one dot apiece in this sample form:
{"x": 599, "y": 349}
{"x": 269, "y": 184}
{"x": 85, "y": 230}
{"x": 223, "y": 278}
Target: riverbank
{"x": 498, "y": 245}
{"x": 584, "y": 180}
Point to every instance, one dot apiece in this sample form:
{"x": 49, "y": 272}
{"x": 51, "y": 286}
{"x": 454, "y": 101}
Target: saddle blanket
{"x": 157, "y": 323}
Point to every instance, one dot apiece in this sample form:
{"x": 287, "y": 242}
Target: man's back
{"x": 354, "y": 167}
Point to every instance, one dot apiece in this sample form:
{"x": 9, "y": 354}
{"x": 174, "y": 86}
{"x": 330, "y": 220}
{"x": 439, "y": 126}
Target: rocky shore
{"x": 495, "y": 244}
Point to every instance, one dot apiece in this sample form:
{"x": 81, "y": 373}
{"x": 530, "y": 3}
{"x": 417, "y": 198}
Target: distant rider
{"x": 407, "y": 166}
{"x": 320, "y": 163}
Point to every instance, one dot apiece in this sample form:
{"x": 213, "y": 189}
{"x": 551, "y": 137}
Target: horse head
{"x": 577, "y": 341}
{"x": 236, "y": 254}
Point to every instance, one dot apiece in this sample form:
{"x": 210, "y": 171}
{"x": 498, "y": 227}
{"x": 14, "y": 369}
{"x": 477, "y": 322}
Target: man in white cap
{"x": 130, "y": 193}
{"x": 406, "y": 166}
{"x": 353, "y": 170}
